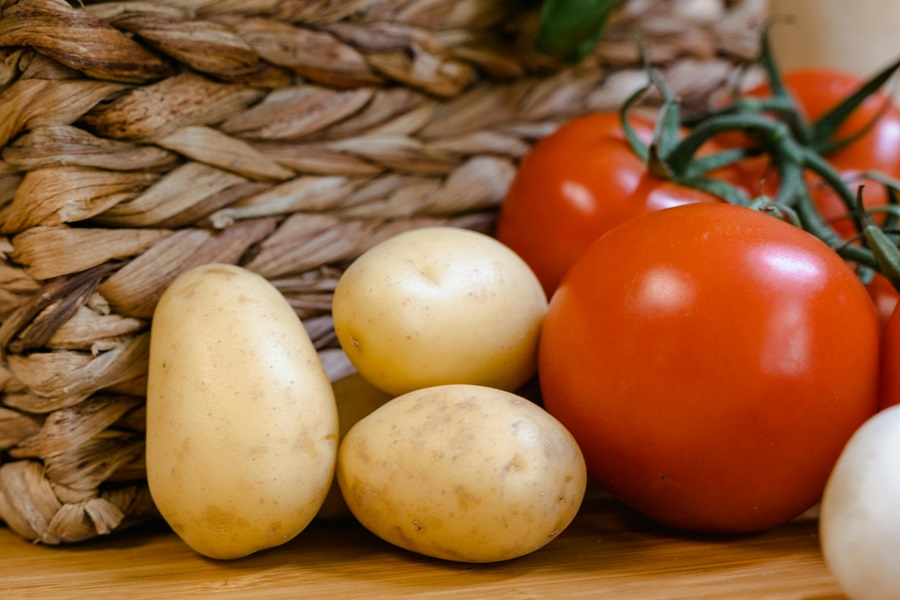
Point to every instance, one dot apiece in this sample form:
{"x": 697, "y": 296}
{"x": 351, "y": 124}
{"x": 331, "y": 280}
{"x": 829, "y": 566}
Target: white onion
{"x": 859, "y": 520}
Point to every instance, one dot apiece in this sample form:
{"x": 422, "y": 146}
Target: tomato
{"x": 575, "y": 185}
{"x": 817, "y": 91}
{"x": 761, "y": 177}
{"x": 833, "y": 209}
{"x": 884, "y": 296}
{"x": 890, "y": 363}
{"x": 711, "y": 361}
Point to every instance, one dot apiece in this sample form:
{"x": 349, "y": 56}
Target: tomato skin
{"x": 575, "y": 185}
{"x": 695, "y": 355}
{"x": 884, "y": 296}
{"x": 890, "y": 363}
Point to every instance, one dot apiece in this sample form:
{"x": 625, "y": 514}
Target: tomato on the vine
{"x": 576, "y": 184}
{"x": 816, "y": 91}
{"x": 711, "y": 361}
{"x": 761, "y": 178}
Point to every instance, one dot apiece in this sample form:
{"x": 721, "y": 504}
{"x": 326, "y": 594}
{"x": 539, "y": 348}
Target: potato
{"x": 440, "y": 305}
{"x": 356, "y": 398}
{"x": 241, "y": 418}
{"x": 461, "y": 472}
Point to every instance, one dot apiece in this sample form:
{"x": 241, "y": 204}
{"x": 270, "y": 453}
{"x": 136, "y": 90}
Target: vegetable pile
{"x": 720, "y": 324}
{"x": 714, "y": 358}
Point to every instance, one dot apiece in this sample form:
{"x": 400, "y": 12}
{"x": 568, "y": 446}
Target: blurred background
{"x": 859, "y": 36}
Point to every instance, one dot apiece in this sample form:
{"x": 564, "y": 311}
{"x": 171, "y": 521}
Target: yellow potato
{"x": 461, "y": 472}
{"x": 356, "y": 398}
{"x": 440, "y": 305}
{"x": 241, "y": 418}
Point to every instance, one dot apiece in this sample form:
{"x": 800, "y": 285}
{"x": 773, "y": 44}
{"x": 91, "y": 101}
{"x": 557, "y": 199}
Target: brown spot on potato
{"x": 517, "y": 464}
{"x": 188, "y": 290}
{"x": 307, "y": 446}
{"x": 220, "y": 519}
{"x": 184, "y": 450}
{"x": 465, "y": 498}
{"x": 275, "y": 528}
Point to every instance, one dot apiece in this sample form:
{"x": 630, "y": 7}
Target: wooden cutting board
{"x": 608, "y": 552}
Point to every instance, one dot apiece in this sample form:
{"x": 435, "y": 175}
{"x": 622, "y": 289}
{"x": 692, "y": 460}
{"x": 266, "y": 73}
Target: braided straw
{"x": 140, "y": 139}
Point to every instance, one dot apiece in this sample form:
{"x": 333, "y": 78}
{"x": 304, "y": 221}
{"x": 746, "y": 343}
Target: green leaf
{"x": 824, "y": 129}
{"x": 570, "y": 29}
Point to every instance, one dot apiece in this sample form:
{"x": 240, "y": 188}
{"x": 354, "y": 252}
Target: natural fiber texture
{"x": 140, "y": 139}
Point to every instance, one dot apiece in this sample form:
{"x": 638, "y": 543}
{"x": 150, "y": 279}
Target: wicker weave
{"x": 140, "y": 139}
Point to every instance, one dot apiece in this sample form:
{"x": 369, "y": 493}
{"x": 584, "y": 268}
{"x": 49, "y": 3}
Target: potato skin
{"x": 461, "y": 472}
{"x": 241, "y": 418}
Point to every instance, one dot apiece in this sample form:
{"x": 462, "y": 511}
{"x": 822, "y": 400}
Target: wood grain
{"x": 607, "y": 552}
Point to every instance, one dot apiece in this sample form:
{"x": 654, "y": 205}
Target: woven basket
{"x": 288, "y": 136}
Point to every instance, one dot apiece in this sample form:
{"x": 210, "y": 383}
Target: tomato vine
{"x": 775, "y": 126}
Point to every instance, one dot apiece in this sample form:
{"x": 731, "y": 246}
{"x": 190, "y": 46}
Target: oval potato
{"x": 241, "y": 418}
{"x": 440, "y": 305}
{"x": 461, "y": 472}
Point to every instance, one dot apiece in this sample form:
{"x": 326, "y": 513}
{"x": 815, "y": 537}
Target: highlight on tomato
{"x": 711, "y": 361}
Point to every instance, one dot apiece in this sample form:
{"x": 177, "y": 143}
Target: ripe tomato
{"x": 575, "y": 185}
{"x": 884, "y": 296}
{"x": 816, "y": 92}
{"x": 761, "y": 177}
{"x": 711, "y": 361}
{"x": 890, "y": 363}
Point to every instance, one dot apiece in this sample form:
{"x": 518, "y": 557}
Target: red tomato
{"x": 890, "y": 363}
{"x": 711, "y": 361}
{"x": 884, "y": 296}
{"x": 762, "y": 178}
{"x": 575, "y": 185}
{"x": 817, "y": 91}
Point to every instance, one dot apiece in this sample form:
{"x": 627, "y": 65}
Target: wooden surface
{"x": 607, "y": 552}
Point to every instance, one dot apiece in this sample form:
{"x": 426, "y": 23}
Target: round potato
{"x": 241, "y": 419}
{"x": 461, "y": 472}
{"x": 440, "y": 305}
